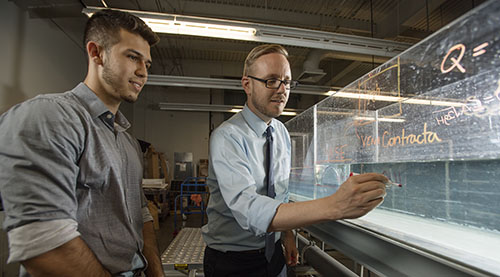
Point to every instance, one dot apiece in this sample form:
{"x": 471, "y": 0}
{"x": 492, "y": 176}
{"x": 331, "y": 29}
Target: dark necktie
{"x": 270, "y": 189}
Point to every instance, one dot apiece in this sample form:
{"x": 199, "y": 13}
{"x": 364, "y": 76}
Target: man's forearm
{"x": 354, "y": 198}
{"x": 74, "y": 258}
{"x": 150, "y": 251}
{"x": 295, "y": 215}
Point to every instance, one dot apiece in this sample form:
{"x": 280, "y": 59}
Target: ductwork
{"x": 311, "y": 72}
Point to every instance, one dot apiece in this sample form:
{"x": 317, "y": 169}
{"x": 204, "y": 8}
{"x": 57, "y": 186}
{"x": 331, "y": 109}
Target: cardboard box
{"x": 203, "y": 168}
{"x": 154, "y": 183}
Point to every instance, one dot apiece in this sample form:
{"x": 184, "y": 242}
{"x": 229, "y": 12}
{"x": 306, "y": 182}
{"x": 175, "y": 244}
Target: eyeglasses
{"x": 274, "y": 83}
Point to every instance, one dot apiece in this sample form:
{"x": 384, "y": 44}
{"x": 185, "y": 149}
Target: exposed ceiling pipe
{"x": 232, "y": 84}
{"x": 323, "y": 263}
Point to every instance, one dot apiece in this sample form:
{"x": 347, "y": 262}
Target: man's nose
{"x": 281, "y": 88}
{"x": 142, "y": 70}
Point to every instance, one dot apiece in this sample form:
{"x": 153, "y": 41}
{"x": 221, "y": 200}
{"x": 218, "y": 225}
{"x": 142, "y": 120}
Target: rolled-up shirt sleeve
{"x": 36, "y": 238}
{"x": 253, "y": 211}
{"x": 40, "y": 144}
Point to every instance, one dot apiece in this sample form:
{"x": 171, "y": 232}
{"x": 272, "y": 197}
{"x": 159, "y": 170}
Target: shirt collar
{"x": 258, "y": 125}
{"x": 96, "y": 107}
{"x": 122, "y": 121}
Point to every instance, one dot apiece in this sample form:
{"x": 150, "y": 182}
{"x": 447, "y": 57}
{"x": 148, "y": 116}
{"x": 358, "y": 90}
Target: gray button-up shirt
{"x": 68, "y": 167}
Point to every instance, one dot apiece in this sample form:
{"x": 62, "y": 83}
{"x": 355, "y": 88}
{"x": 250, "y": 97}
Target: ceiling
{"x": 397, "y": 21}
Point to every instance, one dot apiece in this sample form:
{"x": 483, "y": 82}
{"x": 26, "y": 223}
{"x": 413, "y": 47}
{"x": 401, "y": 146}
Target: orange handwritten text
{"x": 478, "y": 50}
{"x": 387, "y": 140}
{"x": 455, "y": 55}
{"x": 450, "y": 114}
{"x": 336, "y": 153}
{"x": 339, "y": 152}
{"x": 455, "y": 61}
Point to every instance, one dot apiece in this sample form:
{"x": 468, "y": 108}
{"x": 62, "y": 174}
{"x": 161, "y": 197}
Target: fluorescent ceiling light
{"x": 368, "y": 96}
{"x": 190, "y": 107}
{"x": 181, "y": 25}
{"x": 287, "y": 113}
{"x": 381, "y": 119}
{"x": 199, "y": 29}
{"x": 349, "y": 114}
{"x": 336, "y": 113}
{"x": 404, "y": 100}
{"x": 104, "y": 3}
{"x": 433, "y": 102}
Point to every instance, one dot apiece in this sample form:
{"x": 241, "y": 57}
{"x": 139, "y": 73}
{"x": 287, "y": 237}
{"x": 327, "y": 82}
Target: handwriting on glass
{"x": 473, "y": 106}
{"x": 389, "y": 140}
{"x": 455, "y": 55}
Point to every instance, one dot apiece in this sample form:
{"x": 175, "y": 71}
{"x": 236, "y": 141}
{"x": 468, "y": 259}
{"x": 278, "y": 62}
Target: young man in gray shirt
{"x": 70, "y": 174}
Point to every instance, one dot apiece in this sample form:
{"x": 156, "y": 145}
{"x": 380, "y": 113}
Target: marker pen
{"x": 388, "y": 184}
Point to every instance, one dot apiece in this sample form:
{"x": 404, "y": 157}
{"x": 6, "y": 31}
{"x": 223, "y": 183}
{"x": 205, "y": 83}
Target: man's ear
{"x": 94, "y": 51}
{"x": 245, "y": 83}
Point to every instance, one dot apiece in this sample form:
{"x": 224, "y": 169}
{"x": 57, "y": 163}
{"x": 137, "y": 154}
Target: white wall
{"x": 180, "y": 131}
{"x": 174, "y": 131}
{"x": 36, "y": 57}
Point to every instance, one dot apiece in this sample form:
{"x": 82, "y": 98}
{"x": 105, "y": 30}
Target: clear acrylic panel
{"x": 428, "y": 119}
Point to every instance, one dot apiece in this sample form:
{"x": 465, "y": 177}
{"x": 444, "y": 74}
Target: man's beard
{"x": 113, "y": 81}
{"x": 262, "y": 109}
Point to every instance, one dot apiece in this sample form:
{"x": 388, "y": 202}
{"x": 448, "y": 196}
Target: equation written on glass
{"x": 478, "y": 106}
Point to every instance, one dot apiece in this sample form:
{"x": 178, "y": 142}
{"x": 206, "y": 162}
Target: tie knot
{"x": 269, "y": 132}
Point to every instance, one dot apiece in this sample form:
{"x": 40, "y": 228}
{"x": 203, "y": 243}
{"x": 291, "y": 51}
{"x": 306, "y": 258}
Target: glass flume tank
{"x": 430, "y": 120}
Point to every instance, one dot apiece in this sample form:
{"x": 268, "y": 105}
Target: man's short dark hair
{"x": 104, "y": 27}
